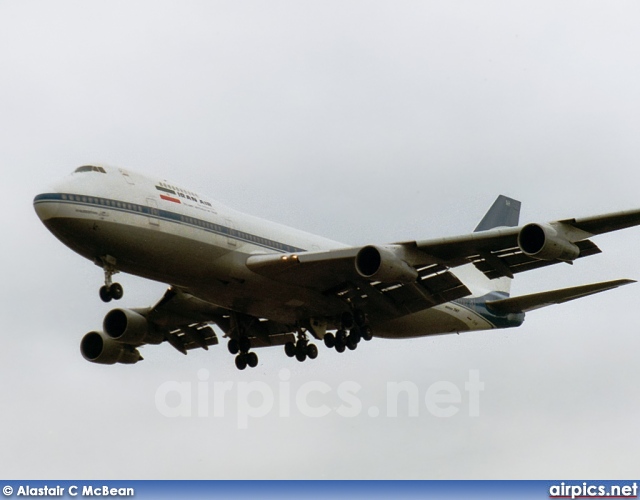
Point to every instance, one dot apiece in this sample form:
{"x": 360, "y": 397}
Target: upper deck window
{"x": 91, "y": 168}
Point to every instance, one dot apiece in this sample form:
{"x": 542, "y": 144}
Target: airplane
{"x": 263, "y": 284}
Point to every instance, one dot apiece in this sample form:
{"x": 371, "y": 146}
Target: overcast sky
{"x": 363, "y": 121}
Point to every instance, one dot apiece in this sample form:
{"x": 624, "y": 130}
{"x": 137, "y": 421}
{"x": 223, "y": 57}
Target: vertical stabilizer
{"x": 505, "y": 212}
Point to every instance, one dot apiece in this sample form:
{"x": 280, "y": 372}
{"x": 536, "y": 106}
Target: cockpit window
{"x": 91, "y": 168}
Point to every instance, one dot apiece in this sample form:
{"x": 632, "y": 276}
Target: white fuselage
{"x": 160, "y": 231}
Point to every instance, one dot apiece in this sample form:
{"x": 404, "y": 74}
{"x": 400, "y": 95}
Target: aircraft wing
{"x": 183, "y": 320}
{"x": 601, "y": 224}
{"x": 334, "y": 274}
{"x": 496, "y": 252}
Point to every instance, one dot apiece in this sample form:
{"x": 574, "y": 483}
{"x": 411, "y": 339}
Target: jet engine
{"x": 383, "y": 264}
{"x": 98, "y": 348}
{"x": 542, "y": 241}
{"x": 129, "y": 327}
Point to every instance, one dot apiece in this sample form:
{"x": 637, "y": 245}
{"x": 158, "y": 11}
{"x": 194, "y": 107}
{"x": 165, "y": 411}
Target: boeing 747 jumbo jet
{"x": 264, "y": 284}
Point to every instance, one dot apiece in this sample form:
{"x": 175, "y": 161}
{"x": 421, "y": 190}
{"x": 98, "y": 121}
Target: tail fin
{"x": 505, "y": 212}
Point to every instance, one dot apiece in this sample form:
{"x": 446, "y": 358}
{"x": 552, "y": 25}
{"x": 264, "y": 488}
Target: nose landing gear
{"x": 110, "y": 291}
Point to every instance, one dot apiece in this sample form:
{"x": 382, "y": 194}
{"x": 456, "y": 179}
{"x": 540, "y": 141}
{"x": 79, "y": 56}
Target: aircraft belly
{"x": 201, "y": 263}
{"x": 267, "y": 299}
{"x": 140, "y": 249}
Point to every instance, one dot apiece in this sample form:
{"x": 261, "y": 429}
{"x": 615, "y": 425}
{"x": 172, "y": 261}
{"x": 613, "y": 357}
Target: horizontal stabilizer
{"x": 537, "y": 300}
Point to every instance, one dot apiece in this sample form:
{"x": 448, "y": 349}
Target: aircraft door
{"x": 231, "y": 241}
{"x": 154, "y": 213}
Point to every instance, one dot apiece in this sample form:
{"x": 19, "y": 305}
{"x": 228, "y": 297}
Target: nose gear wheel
{"x": 109, "y": 291}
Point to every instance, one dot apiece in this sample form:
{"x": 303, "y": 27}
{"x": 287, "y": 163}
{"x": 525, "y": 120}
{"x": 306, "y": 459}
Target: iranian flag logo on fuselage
{"x": 166, "y": 197}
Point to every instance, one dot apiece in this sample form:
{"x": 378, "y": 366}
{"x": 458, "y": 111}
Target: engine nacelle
{"x": 543, "y": 242}
{"x": 382, "y": 264}
{"x": 98, "y": 348}
{"x": 129, "y": 327}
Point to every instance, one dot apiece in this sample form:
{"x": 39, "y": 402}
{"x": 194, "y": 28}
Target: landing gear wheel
{"x": 116, "y": 291}
{"x": 367, "y": 334}
{"x": 341, "y": 336}
{"x": 312, "y": 351}
{"x": 355, "y": 336}
{"x": 340, "y": 347}
{"x": 241, "y": 361}
{"x": 110, "y": 291}
{"x": 290, "y": 349}
{"x": 252, "y": 359}
{"x": 233, "y": 346}
{"x": 351, "y": 344}
{"x": 329, "y": 340}
{"x": 105, "y": 295}
{"x": 301, "y": 356}
{"x": 301, "y": 347}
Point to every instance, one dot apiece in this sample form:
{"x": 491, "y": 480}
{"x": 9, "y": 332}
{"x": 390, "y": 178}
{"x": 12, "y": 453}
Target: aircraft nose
{"x": 46, "y": 205}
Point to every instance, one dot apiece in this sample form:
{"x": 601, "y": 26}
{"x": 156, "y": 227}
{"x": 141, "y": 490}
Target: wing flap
{"x": 435, "y": 286}
{"x": 515, "y": 261}
{"x": 534, "y": 301}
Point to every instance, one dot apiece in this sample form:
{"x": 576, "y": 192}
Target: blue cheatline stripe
{"x": 478, "y": 305}
{"x": 166, "y": 215}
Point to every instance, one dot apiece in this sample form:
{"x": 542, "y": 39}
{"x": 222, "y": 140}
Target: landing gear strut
{"x": 110, "y": 291}
{"x": 240, "y": 347}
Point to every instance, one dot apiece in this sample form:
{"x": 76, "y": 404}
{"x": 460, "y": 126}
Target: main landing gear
{"x": 110, "y": 291}
{"x": 244, "y": 358}
{"x": 240, "y": 343}
{"x": 355, "y": 327}
{"x": 301, "y": 350}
